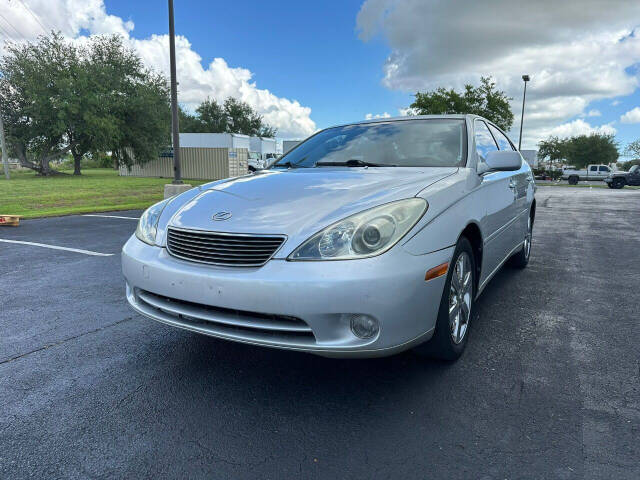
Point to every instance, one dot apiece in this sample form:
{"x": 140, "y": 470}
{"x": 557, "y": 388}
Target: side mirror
{"x": 502, "y": 160}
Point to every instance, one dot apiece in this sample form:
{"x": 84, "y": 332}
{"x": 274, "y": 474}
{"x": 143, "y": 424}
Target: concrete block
{"x": 171, "y": 189}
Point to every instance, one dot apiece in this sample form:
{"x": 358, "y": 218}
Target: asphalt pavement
{"x": 549, "y": 386}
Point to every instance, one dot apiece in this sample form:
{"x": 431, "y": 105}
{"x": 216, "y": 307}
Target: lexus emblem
{"x": 221, "y": 216}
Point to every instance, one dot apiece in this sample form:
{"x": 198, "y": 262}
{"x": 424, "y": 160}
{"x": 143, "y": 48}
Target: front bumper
{"x": 303, "y": 306}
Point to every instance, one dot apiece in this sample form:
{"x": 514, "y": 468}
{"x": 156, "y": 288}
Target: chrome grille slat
{"x": 209, "y": 246}
{"x": 216, "y": 248}
{"x": 226, "y": 238}
{"x": 214, "y": 254}
{"x": 227, "y": 260}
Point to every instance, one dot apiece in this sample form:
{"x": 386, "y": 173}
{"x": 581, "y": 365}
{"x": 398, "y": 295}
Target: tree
{"x": 483, "y": 100}
{"x": 212, "y": 116}
{"x": 233, "y": 116}
{"x": 594, "y": 148}
{"x": 554, "y": 149}
{"x": 188, "y": 122}
{"x": 35, "y": 82}
{"x": 580, "y": 150}
{"x": 630, "y": 163}
{"x": 633, "y": 149}
{"x": 61, "y": 98}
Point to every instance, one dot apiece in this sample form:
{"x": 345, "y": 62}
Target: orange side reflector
{"x": 436, "y": 272}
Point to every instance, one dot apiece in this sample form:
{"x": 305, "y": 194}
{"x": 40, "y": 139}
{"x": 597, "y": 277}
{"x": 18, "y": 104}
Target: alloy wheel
{"x": 527, "y": 240}
{"x": 460, "y": 297}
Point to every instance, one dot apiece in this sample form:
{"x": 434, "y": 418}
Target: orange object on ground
{"x": 10, "y": 220}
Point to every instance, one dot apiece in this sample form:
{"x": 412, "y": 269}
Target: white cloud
{"x": 218, "y": 80}
{"x": 579, "y": 127}
{"x": 403, "y": 112}
{"x": 371, "y": 116}
{"x": 632, "y": 116}
{"x": 615, "y": 103}
{"x": 575, "y": 52}
{"x": 594, "y": 113}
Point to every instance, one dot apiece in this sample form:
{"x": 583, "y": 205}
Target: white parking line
{"x": 110, "y": 216}
{"x": 55, "y": 247}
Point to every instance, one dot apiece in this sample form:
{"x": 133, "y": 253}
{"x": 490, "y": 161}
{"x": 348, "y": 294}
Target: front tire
{"x": 456, "y": 307}
{"x": 573, "y": 180}
{"x": 618, "y": 183}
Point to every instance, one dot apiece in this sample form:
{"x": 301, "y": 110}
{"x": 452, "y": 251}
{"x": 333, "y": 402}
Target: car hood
{"x": 299, "y": 202}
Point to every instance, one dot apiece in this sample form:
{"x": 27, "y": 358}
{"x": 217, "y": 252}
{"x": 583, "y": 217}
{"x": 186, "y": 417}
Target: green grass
{"x": 96, "y": 190}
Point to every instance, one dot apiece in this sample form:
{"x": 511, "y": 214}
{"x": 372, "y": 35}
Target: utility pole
{"x": 177, "y": 174}
{"x": 525, "y": 78}
{"x": 5, "y": 161}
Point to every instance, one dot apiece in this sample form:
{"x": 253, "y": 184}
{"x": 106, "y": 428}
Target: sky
{"x": 310, "y": 65}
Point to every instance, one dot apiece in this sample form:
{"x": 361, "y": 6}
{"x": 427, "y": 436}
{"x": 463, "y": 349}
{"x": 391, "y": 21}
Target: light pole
{"x": 525, "y": 78}
{"x": 177, "y": 174}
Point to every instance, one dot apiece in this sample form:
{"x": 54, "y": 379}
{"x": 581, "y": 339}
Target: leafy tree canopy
{"x": 633, "y": 149}
{"x": 483, "y": 100}
{"x": 580, "y": 150}
{"x": 630, "y": 163}
{"x": 233, "y": 116}
{"x": 59, "y": 98}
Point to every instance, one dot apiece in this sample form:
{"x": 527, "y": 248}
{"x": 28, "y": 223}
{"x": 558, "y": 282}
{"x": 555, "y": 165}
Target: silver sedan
{"x": 364, "y": 240}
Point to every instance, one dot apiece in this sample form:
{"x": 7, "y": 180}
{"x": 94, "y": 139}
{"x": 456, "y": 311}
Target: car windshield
{"x": 634, "y": 168}
{"x": 407, "y": 143}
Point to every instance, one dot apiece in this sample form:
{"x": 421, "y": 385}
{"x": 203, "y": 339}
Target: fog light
{"x": 364, "y": 326}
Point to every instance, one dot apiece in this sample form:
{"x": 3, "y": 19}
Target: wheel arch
{"x": 532, "y": 211}
{"x": 473, "y": 233}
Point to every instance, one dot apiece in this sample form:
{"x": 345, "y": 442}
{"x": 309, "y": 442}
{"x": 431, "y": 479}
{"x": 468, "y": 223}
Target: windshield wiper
{"x": 354, "y": 162}
{"x": 285, "y": 165}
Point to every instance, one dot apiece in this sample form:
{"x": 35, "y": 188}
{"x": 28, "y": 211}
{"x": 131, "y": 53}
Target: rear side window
{"x": 501, "y": 138}
{"x": 594, "y": 168}
{"x": 484, "y": 140}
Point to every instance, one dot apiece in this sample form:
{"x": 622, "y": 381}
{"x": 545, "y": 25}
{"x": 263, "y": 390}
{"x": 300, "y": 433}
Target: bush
{"x": 94, "y": 160}
{"x": 554, "y": 174}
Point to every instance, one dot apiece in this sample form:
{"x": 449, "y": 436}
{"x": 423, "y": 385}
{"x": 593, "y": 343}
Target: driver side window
{"x": 484, "y": 140}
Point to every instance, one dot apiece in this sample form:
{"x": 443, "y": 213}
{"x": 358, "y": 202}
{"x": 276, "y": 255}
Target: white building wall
{"x": 214, "y": 140}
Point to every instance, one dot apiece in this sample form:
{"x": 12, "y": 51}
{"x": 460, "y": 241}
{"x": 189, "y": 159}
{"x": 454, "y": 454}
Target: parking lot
{"x": 549, "y": 386}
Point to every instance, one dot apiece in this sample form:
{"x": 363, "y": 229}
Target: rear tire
{"x": 456, "y": 307}
{"x": 573, "y": 180}
{"x": 521, "y": 258}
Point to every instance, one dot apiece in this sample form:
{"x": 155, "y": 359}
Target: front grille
{"x": 230, "y": 323}
{"x": 215, "y": 248}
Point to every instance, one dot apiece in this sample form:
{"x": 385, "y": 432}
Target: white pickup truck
{"x": 593, "y": 172}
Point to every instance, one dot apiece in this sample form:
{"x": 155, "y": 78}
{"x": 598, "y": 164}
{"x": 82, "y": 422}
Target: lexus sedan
{"x": 364, "y": 240}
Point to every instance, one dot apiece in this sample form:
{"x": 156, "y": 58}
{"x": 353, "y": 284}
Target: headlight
{"x": 365, "y": 234}
{"x": 147, "y": 226}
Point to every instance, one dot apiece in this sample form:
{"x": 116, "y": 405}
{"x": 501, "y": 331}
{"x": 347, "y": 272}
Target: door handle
{"x": 512, "y": 184}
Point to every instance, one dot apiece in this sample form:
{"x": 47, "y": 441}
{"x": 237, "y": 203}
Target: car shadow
{"x": 200, "y": 358}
